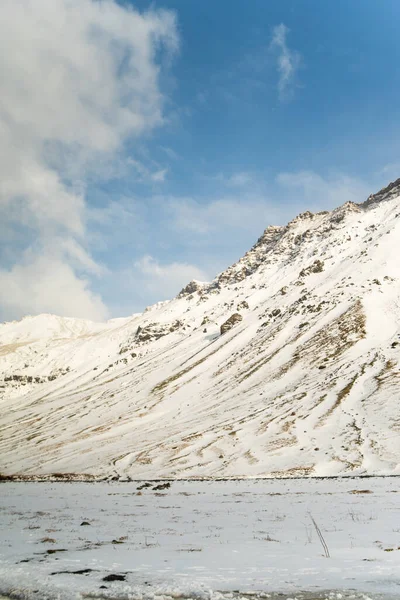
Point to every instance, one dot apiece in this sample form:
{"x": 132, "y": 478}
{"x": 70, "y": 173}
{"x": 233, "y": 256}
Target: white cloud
{"x": 45, "y": 284}
{"x": 287, "y": 60}
{"x": 324, "y": 192}
{"x": 77, "y": 78}
{"x": 77, "y": 257}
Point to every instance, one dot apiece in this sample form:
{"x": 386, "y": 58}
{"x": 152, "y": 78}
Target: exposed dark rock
{"x": 192, "y": 287}
{"x": 242, "y": 305}
{"x": 154, "y": 331}
{"x": 339, "y": 214}
{"x": 162, "y": 486}
{"x": 386, "y": 193}
{"x": 231, "y": 322}
{"x": 176, "y": 325}
{"x": 78, "y": 572}
{"x": 114, "y": 577}
{"x": 316, "y": 267}
{"x": 24, "y": 379}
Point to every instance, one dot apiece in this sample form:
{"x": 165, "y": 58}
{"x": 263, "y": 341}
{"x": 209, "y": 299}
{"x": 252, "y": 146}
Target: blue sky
{"x": 183, "y": 132}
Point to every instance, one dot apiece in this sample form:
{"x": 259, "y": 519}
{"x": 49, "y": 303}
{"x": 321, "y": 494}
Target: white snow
{"x": 210, "y": 540}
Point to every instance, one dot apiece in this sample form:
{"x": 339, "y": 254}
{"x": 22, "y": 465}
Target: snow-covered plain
{"x": 306, "y": 384}
{"x": 208, "y": 540}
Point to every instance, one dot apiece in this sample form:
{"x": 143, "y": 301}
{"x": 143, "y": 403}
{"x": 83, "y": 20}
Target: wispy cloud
{"x": 236, "y": 180}
{"x": 141, "y": 172}
{"x": 168, "y": 278}
{"x": 170, "y": 152}
{"x": 287, "y": 60}
{"x": 149, "y": 280}
{"x": 317, "y": 192}
{"x": 391, "y": 170}
{"x": 159, "y": 176}
{"x": 224, "y": 217}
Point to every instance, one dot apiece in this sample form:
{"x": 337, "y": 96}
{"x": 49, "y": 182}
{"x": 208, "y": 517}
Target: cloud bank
{"x": 77, "y": 79}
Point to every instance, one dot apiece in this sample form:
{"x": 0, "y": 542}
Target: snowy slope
{"x": 307, "y": 383}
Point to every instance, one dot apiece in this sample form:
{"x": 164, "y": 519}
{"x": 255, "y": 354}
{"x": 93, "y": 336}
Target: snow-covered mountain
{"x": 303, "y": 381}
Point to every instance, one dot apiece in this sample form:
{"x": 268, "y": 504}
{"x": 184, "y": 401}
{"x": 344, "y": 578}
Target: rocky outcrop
{"x": 250, "y": 262}
{"x": 148, "y": 333}
{"x": 231, "y": 322}
{"x": 339, "y": 214}
{"x": 316, "y": 267}
{"x": 154, "y": 331}
{"x": 17, "y": 378}
{"x": 390, "y": 191}
{"x": 191, "y": 288}
{"x": 243, "y": 305}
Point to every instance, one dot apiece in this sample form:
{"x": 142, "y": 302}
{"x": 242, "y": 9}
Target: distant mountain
{"x": 303, "y": 381}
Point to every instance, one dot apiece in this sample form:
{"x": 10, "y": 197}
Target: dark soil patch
{"x": 144, "y": 485}
{"x": 78, "y": 572}
{"x": 162, "y": 486}
{"x": 113, "y": 577}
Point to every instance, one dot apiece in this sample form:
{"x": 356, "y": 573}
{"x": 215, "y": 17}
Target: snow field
{"x": 203, "y": 539}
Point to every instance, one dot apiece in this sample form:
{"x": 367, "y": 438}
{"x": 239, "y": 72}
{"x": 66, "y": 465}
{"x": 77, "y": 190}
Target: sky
{"x": 144, "y": 144}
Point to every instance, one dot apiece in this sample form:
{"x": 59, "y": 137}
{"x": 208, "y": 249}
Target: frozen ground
{"x": 202, "y": 539}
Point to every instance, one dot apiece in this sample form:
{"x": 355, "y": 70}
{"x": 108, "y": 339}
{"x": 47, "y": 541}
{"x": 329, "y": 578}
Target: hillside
{"x": 304, "y": 382}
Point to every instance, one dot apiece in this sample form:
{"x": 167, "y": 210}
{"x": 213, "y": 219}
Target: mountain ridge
{"x": 304, "y": 384}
